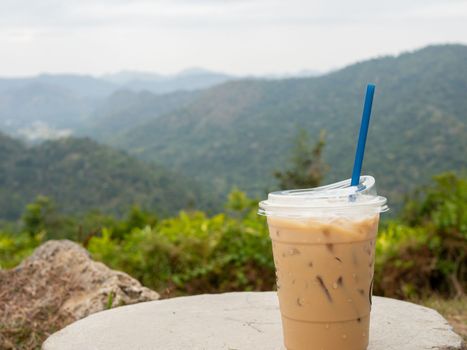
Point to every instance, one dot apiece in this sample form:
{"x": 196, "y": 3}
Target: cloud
{"x": 85, "y": 13}
{"x": 240, "y": 36}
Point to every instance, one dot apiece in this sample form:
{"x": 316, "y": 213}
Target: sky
{"x": 241, "y": 37}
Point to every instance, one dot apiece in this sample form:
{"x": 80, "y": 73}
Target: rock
{"x": 240, "y": 321}
{"x": 58, "y": 284}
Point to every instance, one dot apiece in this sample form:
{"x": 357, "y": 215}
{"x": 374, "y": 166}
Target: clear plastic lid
{"x": 335, "y": 198}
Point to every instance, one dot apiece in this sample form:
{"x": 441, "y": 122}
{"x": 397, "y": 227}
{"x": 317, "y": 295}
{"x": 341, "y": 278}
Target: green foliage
{"x": 110, "y": 300}
{"x": 80, "y": 175}
{"x": 41, "y": 214}
{"x": 192, "y": 253}
{"x": 239, "y": 204}
{"x": 444, "y": 205}
{"x": 423, "y": 252}
{"x": 308, "y": 169}
{"x": 36, "y": 214}
{"x": 427, "y": 250}
{"x": 15, "y": 247}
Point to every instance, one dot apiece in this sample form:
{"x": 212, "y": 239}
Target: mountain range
{"x": 49, "y": 106}
{"x": 58, "y": 102}
{"x": 186, "y": 80}
{"x": 125, "y": 109}
{"x": 238, "y": 132}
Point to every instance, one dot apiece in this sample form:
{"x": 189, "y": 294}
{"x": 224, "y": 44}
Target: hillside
{"x": 46, "y": 105}
{"x": 81, "y": 175}
{"x": 100, "y": 87}
{"x": 186, "y": 80}
{"x": 125, "y": 109}
{"x": 39, "y": 111}
{"x": 238, "y": 133}
{"x": 79, "y": 85}
{"x": 55, "y": 106}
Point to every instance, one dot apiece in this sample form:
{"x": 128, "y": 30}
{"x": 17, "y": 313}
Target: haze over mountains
{"x": 124, "y": 110}
{"x": 237, "y": 132}
{"x": 102, "y": 86}
{"x": 50, "y": 106}
{"x": 68, "y": 101}
{"x": 188, "y": 79}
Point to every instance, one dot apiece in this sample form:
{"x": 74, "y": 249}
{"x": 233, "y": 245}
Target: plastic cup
{"x": 323, "y": 243}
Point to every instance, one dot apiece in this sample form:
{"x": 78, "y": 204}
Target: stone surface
{"x": 58, "y": 284}
{"x": 239, "y": 321}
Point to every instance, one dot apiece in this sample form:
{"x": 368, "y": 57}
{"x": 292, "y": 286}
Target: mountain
{"x": 99, "y": 87}
{"x": 79, "y": 85}
{"x": 38, "y": 102}
{"x": 238, "y": 133}
{"x": 81, "y": 175}
{"x": 186, "y": 80}
{"x": 51, "y": 105}
{"x": 39, "y": 112}
{"x": 125, "y": 109}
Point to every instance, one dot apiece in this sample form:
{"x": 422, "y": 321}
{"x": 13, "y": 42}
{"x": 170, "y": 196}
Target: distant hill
{"x": 79, "y": 85}
{"x": 47, "y": 105}
{"x": 103, "y": 86}
{"x": 126, "y": 109}
{"x": 81, "y": 175}
{"x": 37, "y": 102}
{"x": 238, "y": 133}
{"x": 187, "y": 80}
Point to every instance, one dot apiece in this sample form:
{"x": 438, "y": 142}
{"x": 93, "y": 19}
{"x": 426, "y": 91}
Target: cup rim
{"x": 337, "y": 197}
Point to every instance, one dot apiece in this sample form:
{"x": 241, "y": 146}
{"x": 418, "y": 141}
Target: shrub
{"x": 15, "y": 247}
{"x": 423, "y": 251}
{"x": 192, "y": 253}
{"x": 427, "y": 250}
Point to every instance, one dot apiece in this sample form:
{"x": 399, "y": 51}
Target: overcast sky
{"x": 234, "y": 36}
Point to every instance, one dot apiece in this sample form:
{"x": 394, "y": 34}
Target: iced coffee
{"x": 323, "y": 245}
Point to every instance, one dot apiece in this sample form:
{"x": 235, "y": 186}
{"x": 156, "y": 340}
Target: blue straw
{"x": 357, "y": 166}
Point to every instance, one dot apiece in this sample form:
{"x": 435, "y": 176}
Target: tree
{"x": 307, "y": 167}
{"x": 36, "y": 214}
{"x": 441, "y": 209}
{"x": 42, "y": 217}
